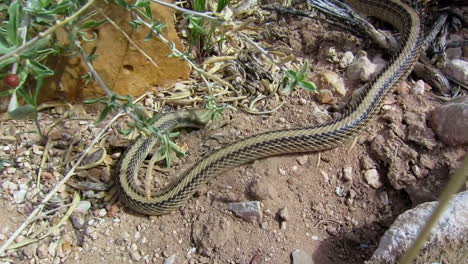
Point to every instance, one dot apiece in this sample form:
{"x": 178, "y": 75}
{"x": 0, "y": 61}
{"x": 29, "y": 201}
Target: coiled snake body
{"x": 306, "y": 139}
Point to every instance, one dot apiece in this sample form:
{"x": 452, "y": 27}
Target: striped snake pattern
{"x": 296, "y": 140}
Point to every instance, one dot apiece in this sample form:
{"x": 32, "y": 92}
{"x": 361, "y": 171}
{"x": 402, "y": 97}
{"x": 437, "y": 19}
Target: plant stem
{"x": 39, "y": 130}
{"x": 188, "y": 11}
{"x": 179, "y": 54}
{"x": 24, "y": 33}
{"x": 96, "y": 76}
{"x": 455, "y": 183}
{"x": 41, "y": 35}
{"x": 148, "y": 57}
{"x": 106, "y": 89}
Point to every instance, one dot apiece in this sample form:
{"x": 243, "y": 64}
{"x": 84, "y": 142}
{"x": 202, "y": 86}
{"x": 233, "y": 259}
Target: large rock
{"x": 122, "y": 66}
{"x": 451, "y": 227}
{"x": 450, "y": 121}
{"x": 458, "y": 70}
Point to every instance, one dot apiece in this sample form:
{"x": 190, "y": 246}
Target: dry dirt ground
{"x": 333, "y": 213}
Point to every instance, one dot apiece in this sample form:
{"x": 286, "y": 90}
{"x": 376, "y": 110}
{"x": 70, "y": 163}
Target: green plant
{"x": 297, "y": 78}
{"x": 202, "y": 30}
{"x": 216, "y": 111}
{"x": 24, "y": 51}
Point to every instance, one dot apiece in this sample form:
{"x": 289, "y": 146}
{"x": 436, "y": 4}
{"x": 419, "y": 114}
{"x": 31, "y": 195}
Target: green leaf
{"x": 37, "y": 91}
{"x": 92, "y": 55}
{"x": 7, "y": 62}
{"x": 92, "y": 23}
{"x": 14, "y": 23}
{"x": 122, "y": 3}
{"x": 135, "y": 24}
{"x": 84, "y": 36}
{"x": 88, "y": 77}
{"x": 149, "y": 36}
{"x": 22, "y": 111}
{"x": 158, "y": 27}
{"x": 4, "y": 49}
{"x": 176, "y": 148}
{"x": 3, "y": 7}
{"x": 168, "y": 159}
{"x": 304, "y": 69}
{"x": 39, "y": 46}
{"x": 7, "y": 92}
{"x": 221, "y": 5}
{"x": 142, "y": 3}
{"x": 292, "y": 75}
{"x": 125, "y": 132}
{"x": 38, "y": 9}
{"x": 104, "y": 114}
{"x": 140, "y": 112}
{"x": 148, "y": 13}
{"x": 39, "y": 70}
{"x": 92, "y": 101}
{"x": 308, "y": 86}
{"x": 25, "y": 95}
{"x": 199, "y": 5}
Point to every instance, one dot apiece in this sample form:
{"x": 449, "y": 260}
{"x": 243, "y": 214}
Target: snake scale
{"x": 296, "y": 140}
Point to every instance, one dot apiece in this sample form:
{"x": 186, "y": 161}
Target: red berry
{"x": 12, "y": 80}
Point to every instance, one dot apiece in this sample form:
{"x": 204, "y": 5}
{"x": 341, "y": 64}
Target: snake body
{"x": 296, "y": 140}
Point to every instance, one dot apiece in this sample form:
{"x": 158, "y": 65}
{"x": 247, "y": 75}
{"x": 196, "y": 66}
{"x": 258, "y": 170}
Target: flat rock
{"x": 450, "y": 227}
{"x": 450, "y": 121}
{"x": 250, "y": 211}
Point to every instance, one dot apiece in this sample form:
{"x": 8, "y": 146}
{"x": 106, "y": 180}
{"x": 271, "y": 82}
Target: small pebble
{"x": 19, "y": 196}
{"x": 302, "y": 101}
{"x": 102, "y": 212}
{"x": 282, "y": 171}
{"x": 116, "y": 155}
{"x": 419, "y": 88}
{"x": 348, "y": 174}
{"x": 136, "y": 256}
{"x": 42, "y": 251}
{"x": 283, "y": 214}
{"x": 301, "y": 257}
{"x": 302, "y": 159}
{"x": 38, "y": 150}
{"x": 83, "y": 207}
{"x": 372, "y": 178}
{"x": 52, "y": 249}
{"x": 339, "y": 191}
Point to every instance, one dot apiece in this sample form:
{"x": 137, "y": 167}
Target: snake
{"x": 270, "y": 143}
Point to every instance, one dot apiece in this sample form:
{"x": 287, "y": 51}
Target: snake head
{"x": 201, "y": 116}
